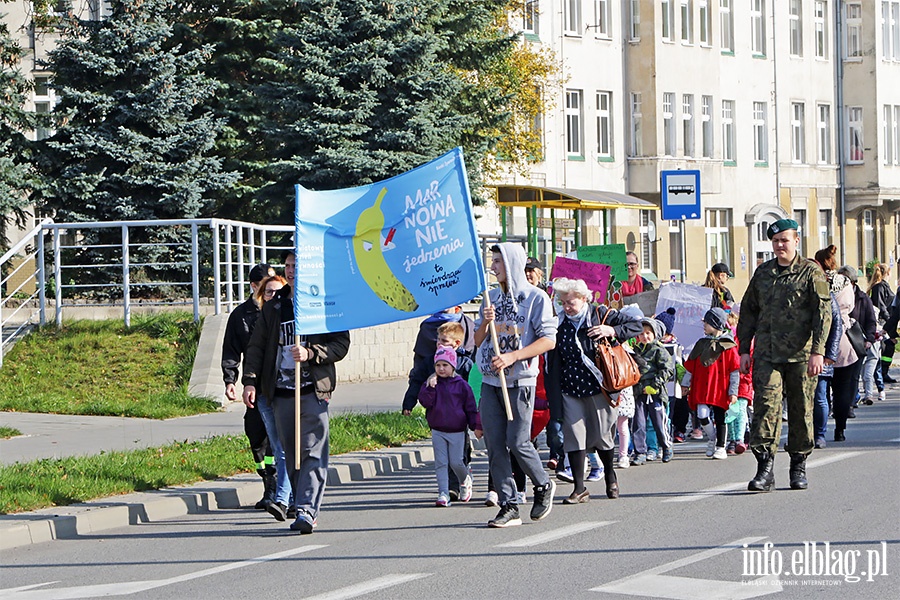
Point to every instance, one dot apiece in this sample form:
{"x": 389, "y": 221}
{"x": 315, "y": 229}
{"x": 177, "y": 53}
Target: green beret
{"x": 781, "y": 225}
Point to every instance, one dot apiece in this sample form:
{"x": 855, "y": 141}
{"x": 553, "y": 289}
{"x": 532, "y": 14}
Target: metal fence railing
{"x": 21, "y": 291}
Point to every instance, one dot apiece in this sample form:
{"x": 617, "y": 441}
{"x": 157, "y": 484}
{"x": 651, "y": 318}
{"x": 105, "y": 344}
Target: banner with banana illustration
{"x": 400, "y": 248}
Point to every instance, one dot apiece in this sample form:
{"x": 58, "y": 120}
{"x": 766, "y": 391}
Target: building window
{"x": 604, "y": 125}
{"x": 823, "y": 137}
{"x": 668, "y": 115}
{"x": 687, "y": 123}
{"x": 728, "y": 141}
{"x": 760, "y": 134}
{"x": 687, "y": 22}
{"x": 795, "y": 20}
{"x": 887, "y": 149}
{"x": 890, "y": 30}
{"x": 647, "y": 258}
{"x": 870, "y": 232}
{"x": 726, "y": 25}
{"x": 530, "y": 18}
{"x": 634, "y": 19}
{"x": 758, "y": 27}
{"x": 855, "y": 153}
{"x": 668, "y": 20}
{"x": 574, "y": 124}
{"x": 895, "y": 28}
{"x": 821, "y": 24}
{"x": 706, "y": 119}
{"x": 572, "y": 17}
{"x": 602, "y": 18}
{"x": 44, "y": 101}
{"x": 718, "y": 229}
{"x": 798, "y": 135}
{"x": 800, "y": 217}
{"x": 637, "y": 145}
{"x": 897, "y": 135}
{"x": 762, "y": 246}
{"x": 825, "y": 236}
{"x": 705, "y": 23}
{"x": 853, "y": 41}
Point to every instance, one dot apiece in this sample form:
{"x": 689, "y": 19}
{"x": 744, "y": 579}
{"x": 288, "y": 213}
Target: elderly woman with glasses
{"x": 635, "y": 284}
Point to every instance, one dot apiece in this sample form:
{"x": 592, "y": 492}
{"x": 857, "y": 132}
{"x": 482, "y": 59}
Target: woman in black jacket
{"x": 863, "y": 313}
{"x": 882, "y": 299}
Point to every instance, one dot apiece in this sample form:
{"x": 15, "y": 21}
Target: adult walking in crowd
{"x": 838, "y": 352}
{"x": 882, "y": 299}
{"x": 270, "y": 365}
{"x": 716, "y": 279}
{"x": 525, "y": 328}
{"x": 573, "y": 382}
{"x": 786, "y": 315}
{"x": 863, "y": 313}
{"x": 237, "y": 337}
{"x": 534, "y": 273}
{"x": 847, "y": 366}
{"x": 635, "y": 284}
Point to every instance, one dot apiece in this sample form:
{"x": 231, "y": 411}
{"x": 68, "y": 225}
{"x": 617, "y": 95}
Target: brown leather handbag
{"x": 615, "y": 363}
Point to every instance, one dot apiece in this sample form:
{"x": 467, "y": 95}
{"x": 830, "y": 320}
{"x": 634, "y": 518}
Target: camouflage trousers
{"x": 771, "y": 383}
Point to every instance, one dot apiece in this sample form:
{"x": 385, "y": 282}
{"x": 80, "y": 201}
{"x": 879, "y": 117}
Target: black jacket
{"x": 864, "y": 313}
{"x": 237, "y": 337}
{"x": 882, "y": 297}
{"x": 262, "y": 351}
{"x": 626, "y": 328}
{"x": 890, "y": 327}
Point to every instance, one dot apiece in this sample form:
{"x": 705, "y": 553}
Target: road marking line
{"x": 367, "y": 587}
{"x": 734, "y": 487}
{"x": 653, "y": 583}
{"x": 133, "y": 587}
{"x": 556, "y": 534}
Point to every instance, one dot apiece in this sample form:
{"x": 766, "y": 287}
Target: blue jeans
{"x": 555, "y": 440}
{"x": 283, "y": 485}
{"x": 820, "y": 408}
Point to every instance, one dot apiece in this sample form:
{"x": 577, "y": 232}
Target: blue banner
{"x": 400, "y": 248}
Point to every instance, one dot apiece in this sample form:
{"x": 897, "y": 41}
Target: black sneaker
{"x": 543, "y": 500}
{"x": 304, "y": 523}
{"x": 507, "y": 517}
{"x": 292, "y": 512}
{"x": 277, "y": 510}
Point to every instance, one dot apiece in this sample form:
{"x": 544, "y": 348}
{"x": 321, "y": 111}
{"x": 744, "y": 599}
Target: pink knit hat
{"x": 446, "y": 354}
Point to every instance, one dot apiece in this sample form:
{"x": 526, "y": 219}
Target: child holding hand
{"x": 449, "y": 408}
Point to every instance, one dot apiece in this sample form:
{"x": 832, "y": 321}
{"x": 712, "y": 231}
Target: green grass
{"x": 104, "y": 368}
{"x": 59, "y": 482}
{"x": 8, "y": 432}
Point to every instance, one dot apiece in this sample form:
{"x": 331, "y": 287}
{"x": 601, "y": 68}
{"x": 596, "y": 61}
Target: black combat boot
{"x": 798, "y": 472}
{"x": 765, "y": 475}
{"x": 269, "y": 485}
{"x": 885, "y": 367}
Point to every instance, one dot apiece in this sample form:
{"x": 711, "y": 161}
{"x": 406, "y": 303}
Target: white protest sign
{"x": 690, "y": 303}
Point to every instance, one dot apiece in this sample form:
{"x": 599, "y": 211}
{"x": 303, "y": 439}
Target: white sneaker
{"x": 521, "y": 498}
{"x": 492, "y": 499}
{"x": 443, "y": 499}
{"x": 624, "y": 463}
{"x": 465, "y": 490}
{"x": 881, "y": 395}
{"x": 711, "y": 447}
{"x": 720, "y": 453}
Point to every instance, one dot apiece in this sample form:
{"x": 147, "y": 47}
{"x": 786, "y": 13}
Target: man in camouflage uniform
{"x": 787, "y": 309}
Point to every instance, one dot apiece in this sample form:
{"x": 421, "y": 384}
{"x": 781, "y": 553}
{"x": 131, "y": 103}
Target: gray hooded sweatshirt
{"x": 522, "y": 315}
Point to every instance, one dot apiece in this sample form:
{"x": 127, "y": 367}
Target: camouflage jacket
{"x": 658, "y": 370}
{"x": 789, "y": 313}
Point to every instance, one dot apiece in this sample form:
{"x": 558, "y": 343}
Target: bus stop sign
{"x": 680, "y": 193}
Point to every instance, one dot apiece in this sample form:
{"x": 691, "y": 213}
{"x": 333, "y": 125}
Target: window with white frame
{"x": 855, "y": 149}
{"x": 687, "y": 123}
{"x": 895, "y": 29}
{"x": 760, "y": 133}
{"x": 798, "y": 135}
{"x": 800, "y": 217}
{"x": 572, "y": 17}
{"x": 687, "y": 22}
{"x": 705, "y": 22}
{"x": 44, "y": 101}
{"x": 604, "y": 125}
{"x": 531, "y": 17}
{"x": 897, "y": 135}
{"x": 668, "y": 115}
{"x": 634, "y": 20}
{"x": 758, "y": 27}
{"x": 728, "y": 136}
{"x": 820, "y": 18}
{"x": 706, "y": 111}
{"x": 637, "y": 142}
{"x": 853, "y": 29}
{"x": 648, "y": 262}
{"x": 890, "y": 30}
{"x": 97, "y": 9}
{"x": 887, "y": 151}
{"x": 870, "y": 232}
{"x": 761, "y": 244}
{"x": 602, "y": 18}
{"x": 574, "y": 123}
{"x": 823, "y": 134}
{"x": 726, "y": 25}
{"x": 718, "y": 231}
{"x": 795, "y": 23}
{"x": 668, "y": 20}
{"x": 825, "y": 228}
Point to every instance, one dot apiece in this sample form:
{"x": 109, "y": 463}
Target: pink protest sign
{"x": 595, "y": 275}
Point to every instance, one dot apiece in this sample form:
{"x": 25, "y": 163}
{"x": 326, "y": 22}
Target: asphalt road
{"x": 678, "y": 531}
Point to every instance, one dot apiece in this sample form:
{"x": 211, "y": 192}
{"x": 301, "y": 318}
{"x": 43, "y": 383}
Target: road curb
{"x": 240, "y": 491}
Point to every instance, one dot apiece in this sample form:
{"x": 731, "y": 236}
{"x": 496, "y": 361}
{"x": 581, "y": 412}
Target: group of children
{"x": 709, "y": 381}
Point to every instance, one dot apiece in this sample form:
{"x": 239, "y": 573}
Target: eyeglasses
{"x": 269, "y": 292}
{"x": 631, "y": 264}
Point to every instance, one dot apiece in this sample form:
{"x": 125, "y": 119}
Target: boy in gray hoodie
{"x": 526, "y": 328}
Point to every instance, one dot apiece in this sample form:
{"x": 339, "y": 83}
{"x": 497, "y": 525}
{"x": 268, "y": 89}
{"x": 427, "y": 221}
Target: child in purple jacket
{"x": 449, "y": 407}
